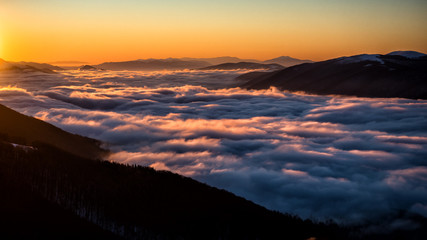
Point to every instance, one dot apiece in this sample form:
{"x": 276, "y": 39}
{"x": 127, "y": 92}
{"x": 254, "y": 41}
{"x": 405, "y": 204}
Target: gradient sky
{"x": 114, "y": 30}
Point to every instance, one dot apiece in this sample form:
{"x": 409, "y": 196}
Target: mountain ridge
{"x": 287, "y": 61}
{"x": 243, "y": 65}
{"x": 152, "y": 65}
{"x": 364, "y": 75}
{"x": 27, "y": 67}
{"x": 22, "y": 129}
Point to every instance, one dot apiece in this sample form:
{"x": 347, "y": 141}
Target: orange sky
{"x": 96, "y": 31}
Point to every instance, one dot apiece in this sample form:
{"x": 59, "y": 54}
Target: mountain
{"x": 407, "y": 54}
{"x": 283, "y": 60}
{"x": 398, "y": 74}
{"x": 27, "y": 67}
{"x": 220, "y": 60}
{"x": 43, "y": 66}
{"x": 139, "y": 202}
{"x": 43, "y": 184}
{"x": 286, "y": 61}
{"x": 153, "y": 65}
{"x": 189, "y": 63}
{"x": 24, "y": 130}
{"x": 68, "y": 63}
{"x": 88, "y": 68}
{"x": 243, "y": 65}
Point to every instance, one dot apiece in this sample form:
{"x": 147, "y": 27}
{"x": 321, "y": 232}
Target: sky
{"x": 114, "y": 30}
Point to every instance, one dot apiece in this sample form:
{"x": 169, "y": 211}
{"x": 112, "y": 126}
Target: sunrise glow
{"x": 213, "y": 119}
{"x": 98, "y": 31}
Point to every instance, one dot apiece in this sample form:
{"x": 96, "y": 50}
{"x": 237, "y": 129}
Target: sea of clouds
{"x": 347, "y": 158}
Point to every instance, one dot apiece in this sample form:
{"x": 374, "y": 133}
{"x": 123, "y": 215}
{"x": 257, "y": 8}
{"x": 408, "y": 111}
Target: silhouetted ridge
{"x": 287, "y": 61}
{"x": 42, "y": 66}
{"x": 243, "y": 65}
{"x": 196, "y": 63}
{"x": 139, "y": 202}
{"x": 27, "y": 67}
{"x": 407, "y": 54}
{"x": 22, "y": 129}
{"x": 153, "y": 65}
{"x": 366, "y": 75}
{"x": 88, "y": 68}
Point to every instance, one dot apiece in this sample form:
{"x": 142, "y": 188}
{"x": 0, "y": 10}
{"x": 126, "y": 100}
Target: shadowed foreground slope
{"x": 139, "y": 202}
{"x": 22, "y": 129}
{"x": 27, "y": 215}
{"x": 128, "y": 201}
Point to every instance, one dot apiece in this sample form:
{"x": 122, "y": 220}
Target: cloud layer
{"x": 345, "y": 158}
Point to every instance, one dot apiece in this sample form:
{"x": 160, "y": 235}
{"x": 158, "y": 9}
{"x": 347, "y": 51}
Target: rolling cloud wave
{"x": 347, "y": 158}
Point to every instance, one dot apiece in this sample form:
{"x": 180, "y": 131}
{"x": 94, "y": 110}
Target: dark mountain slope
{"x": 27, "y": 215}
{"x": 22, "y": 129}
{"x": 243, "y": 65}
{"x": 361, "y": 75}
{"x": 141, "y": 203}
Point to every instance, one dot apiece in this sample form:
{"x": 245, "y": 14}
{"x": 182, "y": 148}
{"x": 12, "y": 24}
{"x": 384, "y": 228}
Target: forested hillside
{"x": 139, "y": 202}
{"x": 51, "y": 193}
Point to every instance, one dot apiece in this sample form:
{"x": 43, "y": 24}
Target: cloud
{"x": 346, "y": 158}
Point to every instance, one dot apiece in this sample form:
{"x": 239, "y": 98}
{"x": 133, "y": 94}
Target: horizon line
{"x": 223, "y": 56}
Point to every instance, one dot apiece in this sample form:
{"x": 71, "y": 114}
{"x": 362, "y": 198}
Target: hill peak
{"x": 407, "y": 54}
{"x": 287, "y": 61}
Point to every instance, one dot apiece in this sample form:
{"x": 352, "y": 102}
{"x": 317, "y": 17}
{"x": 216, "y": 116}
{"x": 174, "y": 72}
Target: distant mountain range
{"x": 194, "y": 63}
{"x": 42, "y": 66}
{"x": 283, "y": 60}
{"x": 244, "y": 66}
{"x": 27, "y": 67}
{"x": 397, "y": 74}
{"x": 153, "y": 65}
{"x": 68, "y": 63}
{"x": 220, "y": 60}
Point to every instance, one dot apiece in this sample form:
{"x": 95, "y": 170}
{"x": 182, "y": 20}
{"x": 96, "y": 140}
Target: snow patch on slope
{"x": 407, "y": 54}
{"x": 24, "y": 147}
{"x": 361, "y": 58}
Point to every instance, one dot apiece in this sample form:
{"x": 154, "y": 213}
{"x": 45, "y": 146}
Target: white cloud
{"x": 342, "y": 157}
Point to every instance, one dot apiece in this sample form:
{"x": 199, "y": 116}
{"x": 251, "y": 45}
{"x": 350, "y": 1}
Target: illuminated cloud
{"x": 323, "y": 156}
